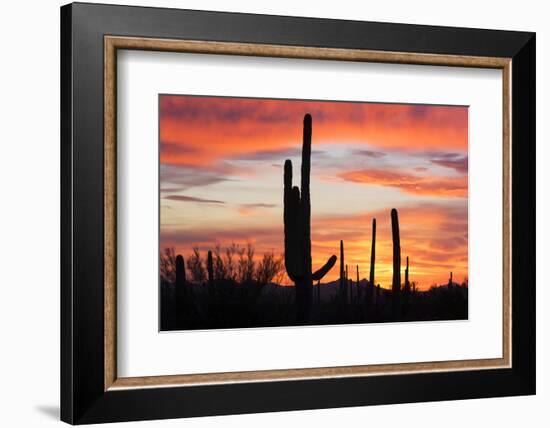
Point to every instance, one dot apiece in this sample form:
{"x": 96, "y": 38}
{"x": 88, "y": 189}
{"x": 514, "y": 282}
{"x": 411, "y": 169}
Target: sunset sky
{"x": 222, "y": 179}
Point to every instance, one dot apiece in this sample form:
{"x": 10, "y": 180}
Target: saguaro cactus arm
{"x": 319, "y": 274}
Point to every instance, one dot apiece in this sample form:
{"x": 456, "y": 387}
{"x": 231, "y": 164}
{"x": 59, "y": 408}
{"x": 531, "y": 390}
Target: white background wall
{"x": 29, "y": 213}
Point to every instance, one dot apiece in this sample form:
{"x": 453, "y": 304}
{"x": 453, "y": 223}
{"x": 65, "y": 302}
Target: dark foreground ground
{"x": 232, "y": 305}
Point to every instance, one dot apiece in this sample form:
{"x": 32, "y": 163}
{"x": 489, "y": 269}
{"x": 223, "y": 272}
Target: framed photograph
{"x": 266, "y": 213}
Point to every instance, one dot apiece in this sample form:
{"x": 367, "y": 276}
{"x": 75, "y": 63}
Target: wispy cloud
{"x": 187, "y": 177}
{"x": 454, "y": 187}
{"x": 458, "y": 163}
{"x": 177, "y": 148}
{"x": 369, "y": 153}
{"x": 268, "y": 155}
{"x": 253, "y": 208}
{"x": 183, "y": 198}
{"x": 259, "y": 205}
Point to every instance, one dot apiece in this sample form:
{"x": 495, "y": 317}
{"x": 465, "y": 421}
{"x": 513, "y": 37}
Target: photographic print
{"x": 284, "y": 212}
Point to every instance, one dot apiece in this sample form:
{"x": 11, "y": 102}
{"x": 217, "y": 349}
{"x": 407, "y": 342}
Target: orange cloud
{"x": 420, "y": 185}
{"x": 197, "y": 130}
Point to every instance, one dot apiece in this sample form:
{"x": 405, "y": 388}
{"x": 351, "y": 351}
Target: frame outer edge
{"x": 66, "y": 225}
{"x": 82, "y": 401}
{"x": 524, "y": 215}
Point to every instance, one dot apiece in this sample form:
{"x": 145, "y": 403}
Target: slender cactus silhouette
{"x": 407, "y": 285}
{"x": 357, "y": 284}
{"x": 372, "y": 252}
{"x": 406, "y": 290}
{"x": 342, "y": 271}
{"x": 396, "y": 281}
{"x": 297, "y": 228}
{"x": 348, "y": 287}
{"x": 318, "y": 292}
{"x": 181, "y": 289}
{"x": 210, "y": 268}
{"x": 372, "y": 259}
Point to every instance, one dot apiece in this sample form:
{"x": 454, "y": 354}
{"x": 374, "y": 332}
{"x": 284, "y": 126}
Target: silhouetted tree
{"x": 245, "y": 264}
{"x": 195, "y": 265}
{"x": 230, "y": 263}
{"x": 268, "y": 268}
{"x": 167, "y": 265}
{"x": 220, "y": 269}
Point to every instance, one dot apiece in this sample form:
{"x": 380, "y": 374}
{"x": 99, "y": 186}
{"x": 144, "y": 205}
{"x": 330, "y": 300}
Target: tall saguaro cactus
{"x": 319, "y": 292}
{"x": 342, "y": 273}
{"x": 406, "y": 291}
{"x": 180, "y": 271}
{"x": 297, "y": 222}
{"x": 372, "y": 259}
{"x": 407, "y": 286}
{"x": 396, "y": 280}
{"x": 349, "y": 288}
{"x": 372, "y": 252}
{"x": 181, "y": 289}
{"x": 210, "y": 268}
{"x": 357, "y": 284}
{"x": 347, "y": 276}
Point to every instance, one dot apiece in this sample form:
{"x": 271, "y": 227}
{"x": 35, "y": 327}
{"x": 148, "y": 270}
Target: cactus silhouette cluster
{"x": 297, "y": 229}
